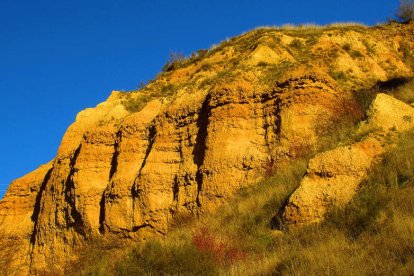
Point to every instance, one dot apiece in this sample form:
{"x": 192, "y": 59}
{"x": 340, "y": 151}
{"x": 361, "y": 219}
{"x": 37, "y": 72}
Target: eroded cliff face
{"x": 193, "y": 137}
{"x": 333, "y": 177}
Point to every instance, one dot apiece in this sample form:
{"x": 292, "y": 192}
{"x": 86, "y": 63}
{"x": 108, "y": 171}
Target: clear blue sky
{"x": 59, "y": 57}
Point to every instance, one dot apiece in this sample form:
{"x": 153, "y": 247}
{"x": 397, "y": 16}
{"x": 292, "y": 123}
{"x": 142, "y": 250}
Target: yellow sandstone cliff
{"x": 204, "y": 128}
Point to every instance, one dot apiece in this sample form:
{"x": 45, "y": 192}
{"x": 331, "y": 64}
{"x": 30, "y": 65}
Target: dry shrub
{"x": 96, "y": 258}
{"x": 175, "y": 61}
{"x": 222, "y": 252}
{"x": 405, "y": 11}
{"x": 404, "y": 92}
{"x": 339, "y": 126}
{"x": 301, "y": 148}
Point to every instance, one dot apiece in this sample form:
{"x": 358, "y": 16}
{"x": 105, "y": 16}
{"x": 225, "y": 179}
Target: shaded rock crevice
{"x": 200, "y": 145}
{"x": 38, "y": 205}
{"x": 73, "y": 216}
{"x": 151, "y": 140}
{"x": 114, "y": 161}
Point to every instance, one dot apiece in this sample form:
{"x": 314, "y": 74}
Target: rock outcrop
{"x": 203, "y": 129}
{"x": 333, "y": 177}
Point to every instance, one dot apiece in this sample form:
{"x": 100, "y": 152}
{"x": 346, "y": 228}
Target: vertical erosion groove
{"x": 114, "y": 161}
{"x": 199, "y": 150}
{"x": 36, "y": 210}
{"x": 278, "y": 121}
{"x": 69, "y": 191}
{"x": 275, "y": 111}
{"x": 102, "y": 214}
{"x": 176, "y": 185}
{"x": 151, "y": 139}
{"x": 135, "y": 191}
{"x": 114, "y": 167}
{"x": 176, "y": 189}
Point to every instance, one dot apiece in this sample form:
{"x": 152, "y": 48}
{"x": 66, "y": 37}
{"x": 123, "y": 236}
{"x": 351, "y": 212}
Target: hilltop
{"x": 264, "y": 141}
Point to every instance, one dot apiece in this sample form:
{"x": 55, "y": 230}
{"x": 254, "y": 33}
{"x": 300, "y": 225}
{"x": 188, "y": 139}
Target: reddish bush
{"x": 222, "y": 252}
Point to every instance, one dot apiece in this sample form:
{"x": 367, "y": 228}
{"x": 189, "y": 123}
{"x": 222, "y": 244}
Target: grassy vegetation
{"x": 369, "y": 47}
{"x": 306, "y": 30}
{"x": 407, "y": 53}
{"x": 374, "y": 234}
{"x": 221, "y": 76}
{"x": 239, "y": 232}
{"x": 136, "y": 104}
{"x": 178, "y": 60}
{"x": 249, "y": 41}
{"x": 353, "y": 53}
{"x": 135, "y": 101}
{"x": 275, "y": 72}
{"x": 349, "y": 113}
{"x": 339, "y": 76}
{"x": 302, "y": 47}
{"x": 404, "y": 92}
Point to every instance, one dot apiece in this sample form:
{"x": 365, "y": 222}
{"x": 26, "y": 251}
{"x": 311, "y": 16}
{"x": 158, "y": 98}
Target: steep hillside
{"x": 372, "y": 235}
{"x": 208, "y": 127}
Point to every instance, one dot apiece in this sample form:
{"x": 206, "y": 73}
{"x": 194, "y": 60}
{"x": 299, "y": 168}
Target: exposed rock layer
{"x": 190, "y": 139}
{"x": 333, "y": 177}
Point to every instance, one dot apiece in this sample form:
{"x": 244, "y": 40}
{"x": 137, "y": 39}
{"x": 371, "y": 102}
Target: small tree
{"x": 406, "y": 11}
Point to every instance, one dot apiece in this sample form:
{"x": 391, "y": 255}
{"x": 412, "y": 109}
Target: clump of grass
{"x": 353, "y": 53}
{"x": 369, "y": 47}
{"x": 408, "y": 54}
{"x": 157, "y": 258}
{"x": 136, "y": 104}
{"x": 346, "y": 47}
{"x": 96, "y": 258}
{"x": 177, "y": 60}
{"x": 204, "y": 67}
{"x": 276, "y": 71}
{"x": 297, "y": 44}
{"x": 136, "y": 101}
{"x": 312, "y": 40}
{"x": 404, "y": 92}
{"x": 339, "y": 76}
{"x": 345, "y": 26}
{"x": 223, "y": 75}
{"x": 347, "y": 114}
{"x": 263, "y": 64}
{"x": 303, "y": 30}
{"x": 356, "y": 54}
{"x": 167, "y": 90}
